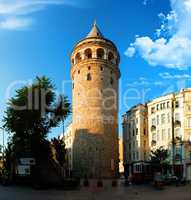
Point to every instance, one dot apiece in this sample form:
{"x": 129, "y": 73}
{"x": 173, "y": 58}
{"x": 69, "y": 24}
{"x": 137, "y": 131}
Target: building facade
{"x": 95, "y": 74}
{"x": 135, "y": 135}
{"x": 121, "y": 165}
{"x": 68, "y": 138}
{"x": 169, "y": 126}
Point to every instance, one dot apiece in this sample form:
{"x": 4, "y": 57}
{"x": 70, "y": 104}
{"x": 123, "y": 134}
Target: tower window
{"x": 72, "y": 85}
{"x": 89, "y": 68}
{"x": 101, "y": 68}
{"x": 89, "y": 78}
{"x": 111, "y": 57}
{"x": 88, "y": 53}
{"x": 100, "y": 53}
{"x": 78, "y": 71}
{"x": 78, "y": 57}
{"x": 111, "y": 81}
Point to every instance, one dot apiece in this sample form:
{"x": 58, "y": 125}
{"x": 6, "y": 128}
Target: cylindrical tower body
{"x": 95, "y": 76}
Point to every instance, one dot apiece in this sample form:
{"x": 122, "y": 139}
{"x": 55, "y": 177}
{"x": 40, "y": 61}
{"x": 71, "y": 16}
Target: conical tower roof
{"x": 95, "y": 32}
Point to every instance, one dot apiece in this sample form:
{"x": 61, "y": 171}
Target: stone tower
{"x": 95, "y": 76}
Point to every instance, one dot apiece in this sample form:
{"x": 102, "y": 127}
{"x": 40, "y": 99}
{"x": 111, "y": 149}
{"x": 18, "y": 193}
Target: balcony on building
{"x": 153, "y": 128}
{"x": 177, "y": 123}
{"x": 153, "y": 143}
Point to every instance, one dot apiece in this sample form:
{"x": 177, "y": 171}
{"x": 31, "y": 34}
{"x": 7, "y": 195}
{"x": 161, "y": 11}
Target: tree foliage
{"x": 31, "y": 114}
{"x": 159, "y": 155}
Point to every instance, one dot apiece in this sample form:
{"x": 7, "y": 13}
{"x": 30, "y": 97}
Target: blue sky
{"x": 153, "y": 38}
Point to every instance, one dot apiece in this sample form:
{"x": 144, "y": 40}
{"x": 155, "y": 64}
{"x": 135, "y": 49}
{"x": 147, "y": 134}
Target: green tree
{"x": 159, "y": 156}
{"x": 31, "y": 114}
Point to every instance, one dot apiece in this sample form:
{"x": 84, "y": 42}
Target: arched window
{"x": 88, "y": 53}
{"x": 100, "y": 53}
{"x": 78, "y": 57}
{"x": 111, "y": 57}
{"x": 72, "y": 61}
{"x": 89, "y": 78}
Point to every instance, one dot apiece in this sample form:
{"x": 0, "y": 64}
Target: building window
{"x": 144, "y": 131}
{"x": 168, "y": 104}
{"x": 78, "y": 71}
{"x": 78, "y": 57}
{"x": 89, "y": 68}
{"x": 157, "y": 119}
{"x": 177, "y": 104}
{"x": 158, "y": 135}
{"x": 110, "y": 56}
{"x": 157, "y": 106}
{"x": 169, "y": 133}
{"x": 101, "y": 68}
{"x": 168, "y": 117}
{"x": 133, "y": 132}
{"x": 153, "y": 122}
{"x": 137, "y": 131}
{"x": 72, "y": 85}
{"x": 177, "y": 132}
{"x": 163, "y": 134}
{"x": 137, "y": 155}
{"x": 111, "y": 81}
{"x": 162, "y": 118}
{"x": 100, "y": 53}
{"x": 152, "y": 110}
{"x": 88, "y": 53}
{"x": 154, "y": 136}
{"x": 89, "y": 78}
{"x": 189, "y": 122}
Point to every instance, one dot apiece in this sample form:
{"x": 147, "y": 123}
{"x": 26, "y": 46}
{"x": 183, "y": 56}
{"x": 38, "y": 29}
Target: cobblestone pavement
{"x": 107, "y": 193}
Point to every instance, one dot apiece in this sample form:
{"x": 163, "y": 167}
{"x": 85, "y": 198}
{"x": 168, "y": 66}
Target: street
{"x": 120, "y": 193}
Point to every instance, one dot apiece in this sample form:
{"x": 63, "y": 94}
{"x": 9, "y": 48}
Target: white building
{"x": 135, "y": 134}
{"x": 68, "y": 138}
{"x": 169, "y": 126}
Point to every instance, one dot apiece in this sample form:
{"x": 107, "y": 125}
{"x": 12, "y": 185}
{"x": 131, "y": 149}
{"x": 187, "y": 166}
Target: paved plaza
{"x": 92, "y": 193}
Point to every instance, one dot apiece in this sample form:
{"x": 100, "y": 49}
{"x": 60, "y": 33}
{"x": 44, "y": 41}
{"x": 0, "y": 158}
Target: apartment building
{"x": 168, "y": 123}
{"x": 135, "y": 135}
{"x": 68, "y": 138}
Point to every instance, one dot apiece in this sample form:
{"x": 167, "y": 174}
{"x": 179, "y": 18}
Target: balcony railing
{"x": 177, "y": 123}
{"x": 153, "y": 143}
{"x": 153, "y": 128}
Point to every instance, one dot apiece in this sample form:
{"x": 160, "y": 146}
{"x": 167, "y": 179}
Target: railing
{"x": 153, "y": 142}
{"x": 177, "y": 123}
{"x": 153, "y": 128}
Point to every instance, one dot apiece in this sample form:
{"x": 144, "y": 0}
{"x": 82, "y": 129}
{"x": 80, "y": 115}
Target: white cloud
{"x": 15, "y": 24}
{"x": 167, "y": 75}
{"x": 171, "y": 48}
{"x": 14, "y": 13}
{"x": 144, "y": 82}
